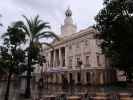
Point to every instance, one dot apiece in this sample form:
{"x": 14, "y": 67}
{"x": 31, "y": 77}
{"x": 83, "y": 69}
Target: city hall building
{"x": 76, "y": 56}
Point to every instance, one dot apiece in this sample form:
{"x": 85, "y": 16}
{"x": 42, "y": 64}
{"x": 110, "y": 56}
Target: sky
{"x": 51, "y": 11}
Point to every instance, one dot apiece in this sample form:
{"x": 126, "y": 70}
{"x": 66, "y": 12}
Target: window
{"x": 71, "y": 78}
{"x": 78, "y": 60}
{"x": 77, "y": 45}
{"x": 88, "y": 77}
{"x": 51, "y": 77}
{"x": 52, "y": 58}
{"x": 63, "y": 56}
{"x": 70, "y": 61}
{"x": 57, "y": 58}
{"x": 98, "y": 59}
{"x": 86, "y": 42}
{"x": 79, "y": 77}
{"x": 88, "y": 60}
{"x": 70, "y": 47}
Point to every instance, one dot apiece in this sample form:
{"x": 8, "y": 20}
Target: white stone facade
{"x": 77, "y": 57}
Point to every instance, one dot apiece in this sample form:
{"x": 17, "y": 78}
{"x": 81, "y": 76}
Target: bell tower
{"x": 68, "y": 28}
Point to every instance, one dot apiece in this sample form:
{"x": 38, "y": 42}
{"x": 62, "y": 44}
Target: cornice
{"x": 88, "y": 31}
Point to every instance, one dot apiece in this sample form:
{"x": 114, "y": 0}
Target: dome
{"x": 68, "y": 12}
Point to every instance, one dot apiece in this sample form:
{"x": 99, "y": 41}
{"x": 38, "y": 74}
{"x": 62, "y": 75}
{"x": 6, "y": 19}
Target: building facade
{"x": 76, "y": 57}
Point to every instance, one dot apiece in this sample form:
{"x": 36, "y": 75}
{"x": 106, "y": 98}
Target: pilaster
{"x": 60, "y": 57}
{"x": 93, "y": 53}
{"x": 54, "y": 61}
{"x": 66, "y": 56}
{"x": 82, "y": 55}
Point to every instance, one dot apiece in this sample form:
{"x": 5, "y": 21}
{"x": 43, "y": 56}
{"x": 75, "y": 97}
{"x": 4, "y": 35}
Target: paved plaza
{"x": 56, "y": 90}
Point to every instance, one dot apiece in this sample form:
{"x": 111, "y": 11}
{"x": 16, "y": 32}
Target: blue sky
{"x": 51, "y": 11}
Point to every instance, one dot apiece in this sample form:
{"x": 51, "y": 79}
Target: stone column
{"x": 67, "y": 75}
{"x": 101, "y": 78}
{"x": 54, "y": 61}
{"x": 75, "y": 77}
{"x": 66, "y": 56}
{"x": 92, "y": 77}
{"x": 54, "y": 78}
{"x": 74, "y": 60}
{"x": 105, "y": 77}
{"x": 59, "y": 76}
{"x": 60, "y": 57}
{"x": 82, "y": 55}
{"x": 84, "y": 77}
{"x": 51, "y": 58}
{"x": 93, "y": 53}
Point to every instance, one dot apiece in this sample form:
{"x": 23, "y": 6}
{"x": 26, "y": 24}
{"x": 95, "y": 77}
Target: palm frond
{"x": 18, "y": 24}
{"x": 27, "y": 20}
{"x": 38, "y": 26}
{"x": 35, "y": 29}
{"x": 46, "y": 25}
{"x": 47, "y": 44}
{"x": 34, "y": 25}
{"x": 4, "y": 35}
{"x": 37, "y": 21}
{"x": 47, "y": 34}
{"x": 26, "y": 31}
{"x": 29, "y": 24}
{"x": 41, "y": 27}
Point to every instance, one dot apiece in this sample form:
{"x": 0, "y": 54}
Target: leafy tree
{"x": 115, "y": 24}
{"x": 12, "y": 55}
{"x": 35, "y": 33}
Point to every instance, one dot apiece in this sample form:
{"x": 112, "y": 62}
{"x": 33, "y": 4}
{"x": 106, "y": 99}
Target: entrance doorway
{"x": 88, "y": 77}
{"x": 79, "y": 77}
{"x": 71, "y": 78}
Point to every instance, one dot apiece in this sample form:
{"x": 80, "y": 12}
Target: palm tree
{"x": 34, "y": 29}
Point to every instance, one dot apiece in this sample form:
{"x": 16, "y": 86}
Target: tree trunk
{"x": 28, "y": 83}
{"x": 8, "y": 86}
{"x": 28, "y": 89}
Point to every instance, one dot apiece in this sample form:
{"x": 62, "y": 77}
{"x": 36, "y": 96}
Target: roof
{"x": 64, "y": 39}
